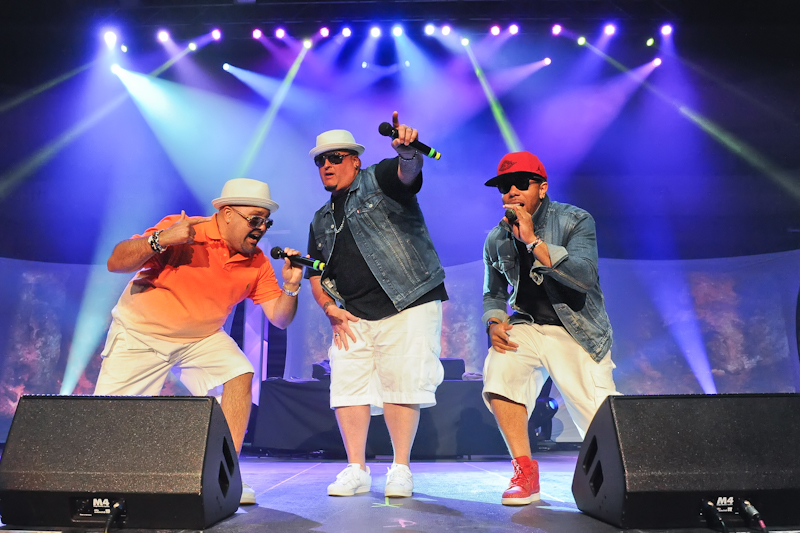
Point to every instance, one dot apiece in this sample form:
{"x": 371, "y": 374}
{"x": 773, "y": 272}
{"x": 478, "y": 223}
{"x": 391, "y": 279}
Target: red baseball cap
{"x": 518, "y": 165}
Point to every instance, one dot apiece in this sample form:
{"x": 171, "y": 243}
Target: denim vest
{"x": 392, "y": 237}
{"x": 571, "y": 240}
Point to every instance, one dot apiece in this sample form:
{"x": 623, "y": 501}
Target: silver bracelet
{"x": 290, "y": 293}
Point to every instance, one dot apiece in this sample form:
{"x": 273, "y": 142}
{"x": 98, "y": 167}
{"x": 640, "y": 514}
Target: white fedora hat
{"x": 245, "y": 192}
{"x": 336, "y": 140}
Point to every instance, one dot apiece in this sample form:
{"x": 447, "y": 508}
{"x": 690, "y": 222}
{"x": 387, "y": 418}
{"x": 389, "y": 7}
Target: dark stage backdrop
{"x": 680, "y": 327}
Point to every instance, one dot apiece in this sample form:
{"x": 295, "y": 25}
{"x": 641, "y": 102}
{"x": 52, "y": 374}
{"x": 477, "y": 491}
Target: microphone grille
{"x": 276, "y": 252}
{"x": 386, "y": 129}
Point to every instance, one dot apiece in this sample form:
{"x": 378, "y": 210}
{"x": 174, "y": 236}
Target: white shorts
{"x": 137, "y": 365}
{"x": 549, "y": 351}
{"x": 395, "y": 360}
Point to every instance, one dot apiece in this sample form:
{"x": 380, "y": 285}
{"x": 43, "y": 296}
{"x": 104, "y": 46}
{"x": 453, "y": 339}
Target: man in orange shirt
{"x": 192, "y": 271}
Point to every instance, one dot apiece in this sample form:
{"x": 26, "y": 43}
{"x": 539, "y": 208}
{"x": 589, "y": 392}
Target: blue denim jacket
{"x": 570, "y": 236}
{"x": 392, "y": 237}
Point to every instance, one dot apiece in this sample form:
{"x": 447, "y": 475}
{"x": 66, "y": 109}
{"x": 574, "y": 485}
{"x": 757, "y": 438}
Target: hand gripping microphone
{"x": 511, "y": 216}
{"x": 387, "y": 130}
{"x": 278, "y": 253}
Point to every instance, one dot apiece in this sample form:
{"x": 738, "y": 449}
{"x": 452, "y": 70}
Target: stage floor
{"x": 455, "y": 496}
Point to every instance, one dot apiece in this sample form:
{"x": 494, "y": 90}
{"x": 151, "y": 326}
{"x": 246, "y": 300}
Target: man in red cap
{"x": 546, "y": 253}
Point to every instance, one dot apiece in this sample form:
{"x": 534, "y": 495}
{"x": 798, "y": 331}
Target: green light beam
{"x": 787, "y": 181}
{"x": 171, "y": 61}
{"x": 11, "y": 179}
{"x": 506, "y": 130}
{"x": 14, "y": 102}
{"x": 264, "y": 125}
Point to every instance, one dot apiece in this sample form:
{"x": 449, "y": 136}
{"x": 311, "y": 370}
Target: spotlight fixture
{"x": 226, "y": 67}
{"x": 257, "y": 34}
{"x": 495, "y": 30}
{"x": 650, "y": 41}
{"x": 657, "y": 61}
{"x": 445, "y": 30}
{"x": 547, "y": 61}
{"x": 192, "y": 47}
{"x": 324, "y": 32}
{"x": 347, "y": 32}
{"x": 407, "y": 63}
{"x": 115, "y": 69}
{"x": 666, "y": 29}
{"x": 557, "y": 29}
{"x": 363, "y": 64}
{"x": 375, "y": 32}
{"x": 610, "y": 29}
{"x": 581, "y": 40}
{"x": 307, "y": 44}
{"x": 110, "y": 38}
{"x": 397, "y": 31}
{"x": 123, "y": 48}
{"x": 464, "y": 41}
{"x": 163, "y": 36}
{"x": 429, "y": 29}
{"x": 216, "y": 34}
{"x": 513, "y": 29}
{"x": 280, "y": 33}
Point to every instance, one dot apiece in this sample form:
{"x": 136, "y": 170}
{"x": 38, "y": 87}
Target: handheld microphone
{"x": 387, "y": 130}
{"x": 511, "y": 216}
{"x": 278, "y": 253}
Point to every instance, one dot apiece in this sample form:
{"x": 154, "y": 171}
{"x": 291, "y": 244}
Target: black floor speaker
{"x": 69, "y": 459}
{"x": 652, "y": 461}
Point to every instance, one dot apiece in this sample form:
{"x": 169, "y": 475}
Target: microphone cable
{"x": 750, "y": 515}
{"x": 116, "y": 510}
{"x": 713, "y": 518}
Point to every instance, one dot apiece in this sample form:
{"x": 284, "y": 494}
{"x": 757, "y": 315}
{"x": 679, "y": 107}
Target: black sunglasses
{"x": 521, "y": 184}
{"x": 254, "y": 221}
{"x": 334, "y": 157}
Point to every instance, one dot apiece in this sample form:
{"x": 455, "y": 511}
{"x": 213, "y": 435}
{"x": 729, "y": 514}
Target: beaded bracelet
{"x": 154, "y": 244}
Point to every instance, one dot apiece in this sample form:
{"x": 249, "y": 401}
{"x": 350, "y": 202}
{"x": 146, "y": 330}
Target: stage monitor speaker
{"x": 69, "y": 459}
{"x": 651, "y": 461}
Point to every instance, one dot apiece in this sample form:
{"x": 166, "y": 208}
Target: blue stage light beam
{"x": 575, "y": 119}
{"x": 201, "y": 132}
{"x": 671, "y": 295}
{"x": 268, "y": 87}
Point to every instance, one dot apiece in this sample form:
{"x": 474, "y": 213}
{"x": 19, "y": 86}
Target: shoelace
{"x": 395, "y": 473}
{"x": 347, "y": 475}
{"x": 519, "y": 477}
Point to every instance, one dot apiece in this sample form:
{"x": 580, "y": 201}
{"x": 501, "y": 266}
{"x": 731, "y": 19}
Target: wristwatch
{"x": 491, "y": 321}
{"x": 287, "y": 292}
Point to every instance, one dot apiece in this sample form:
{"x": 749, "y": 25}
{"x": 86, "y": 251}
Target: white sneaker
{"x": 248, "y": 495}
{"x": 351, "y": 480}
{"x": 399, "y": 482}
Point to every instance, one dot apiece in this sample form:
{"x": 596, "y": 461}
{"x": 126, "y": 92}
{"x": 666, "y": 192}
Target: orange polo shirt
{"x": 186, "y": 293}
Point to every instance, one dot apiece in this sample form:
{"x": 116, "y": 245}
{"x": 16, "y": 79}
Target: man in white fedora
{"x": 190, "y": 273}
{"x": 382, "y": 290}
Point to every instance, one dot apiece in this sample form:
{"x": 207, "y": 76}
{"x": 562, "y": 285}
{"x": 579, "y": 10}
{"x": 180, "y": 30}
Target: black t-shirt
{"x": 363, "y": 295}
{"x": 532, "y": 298}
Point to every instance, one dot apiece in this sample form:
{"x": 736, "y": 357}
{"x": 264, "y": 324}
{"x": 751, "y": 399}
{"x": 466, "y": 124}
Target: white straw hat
{"x": 336, "y": 140}
{"x": 245, "y": 192}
